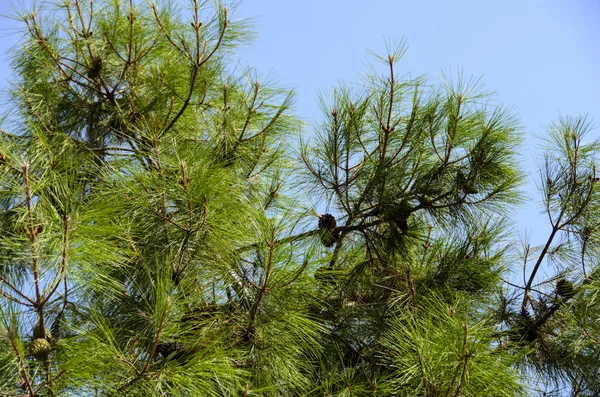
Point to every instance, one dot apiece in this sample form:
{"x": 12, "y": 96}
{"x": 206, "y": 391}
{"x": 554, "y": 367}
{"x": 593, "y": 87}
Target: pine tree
{"x": 158, "y": 237}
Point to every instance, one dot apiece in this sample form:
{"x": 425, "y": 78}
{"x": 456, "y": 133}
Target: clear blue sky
{"x": 542, "y": 56}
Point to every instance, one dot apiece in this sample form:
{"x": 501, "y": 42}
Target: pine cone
{"x": 526, "y": 330}
{"x": 39, "y": 348}
{"x": 398, "y": 214}
{"x": 37, "y": 333}
{"x": 329, "y": 236}
{"x": 464, "y": 184}
{"x": 402, "y": 224}
{"x": 565, "y": 289}
{"x": 327, "y": 222}
{"x": 165, "y": 349}
{"x": 526, "y": 316}
{"x": 95, "y": 69}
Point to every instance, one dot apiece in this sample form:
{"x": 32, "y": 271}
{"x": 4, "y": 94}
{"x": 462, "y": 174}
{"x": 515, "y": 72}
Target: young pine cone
{"x": 565, "y": 289}
{"x": 95, "y": 68}
{"x": 37, "y": 333}
{"x": 39, "y": 348}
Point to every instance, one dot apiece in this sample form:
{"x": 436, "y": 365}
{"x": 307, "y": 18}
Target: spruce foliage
{"x": 162, "y": 237}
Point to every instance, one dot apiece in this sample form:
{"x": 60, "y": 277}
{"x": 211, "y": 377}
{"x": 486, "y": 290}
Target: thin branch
{"x": 17, "y": 291}
{"x": 22, "y": 366}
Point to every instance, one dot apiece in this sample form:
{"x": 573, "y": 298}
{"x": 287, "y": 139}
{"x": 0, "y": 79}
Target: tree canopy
{"x": 168, "y": 227}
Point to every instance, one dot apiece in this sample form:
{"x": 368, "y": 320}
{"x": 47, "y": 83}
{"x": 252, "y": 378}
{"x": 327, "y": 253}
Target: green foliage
{"x": 438, "y": 349}
{"x": 159, "y": 239}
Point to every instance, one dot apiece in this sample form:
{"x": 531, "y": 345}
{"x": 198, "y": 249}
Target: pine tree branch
{"x": 198, "y": 61}
{"x": 12, "y": 298}
{"x": 557, "y": 226}
{"x": 22, "y": 365}
{"x": 249, "y": 110}
{"x": 310, "y": 233}
{"x": 63, "y": 259}
{"x": 31, "y": 301}
{"x": 465, "y": 359}
{"x": 264, "y": 286}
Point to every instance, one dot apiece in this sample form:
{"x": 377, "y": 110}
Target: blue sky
{"x": 541, "y": 56}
